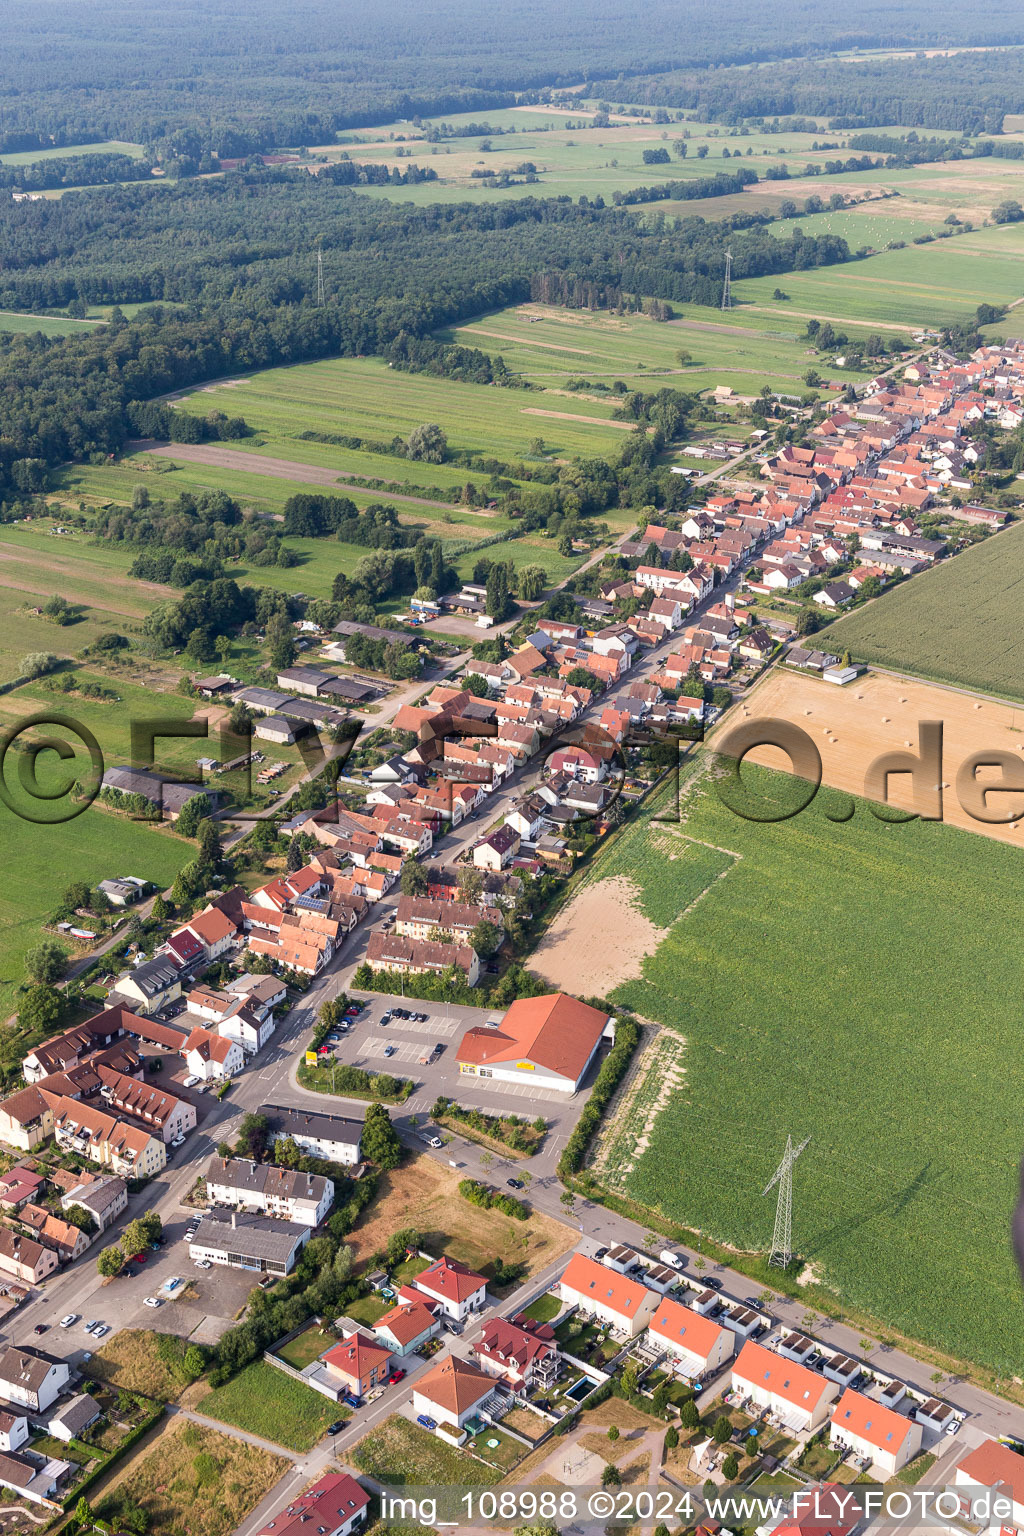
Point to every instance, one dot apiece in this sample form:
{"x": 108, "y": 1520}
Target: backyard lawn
{"x": 306, "y": 1346}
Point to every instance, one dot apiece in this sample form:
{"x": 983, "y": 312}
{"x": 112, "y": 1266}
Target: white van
{"x": 666, "y": 1256}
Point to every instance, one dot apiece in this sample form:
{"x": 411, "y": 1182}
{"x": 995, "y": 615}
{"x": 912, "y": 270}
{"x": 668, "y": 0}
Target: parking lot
{"x": 367, "y": 1040}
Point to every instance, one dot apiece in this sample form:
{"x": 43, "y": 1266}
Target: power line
{"x": 727, "y": 285}
{"x": 320, "y": 301}
{"x": 782, "y": 1237}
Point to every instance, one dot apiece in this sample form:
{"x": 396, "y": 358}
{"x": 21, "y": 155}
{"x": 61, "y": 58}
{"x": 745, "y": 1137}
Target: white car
{"x": 69, "y": 1321}
{"x": 953, "y": 1427}
{"x": 152, "y": 1301}
{"x": 179, "y": 1141}
{"x": 100, "y": 1331}
{"x": 204, "y": 1264}
{"x": 191, "y": 1080}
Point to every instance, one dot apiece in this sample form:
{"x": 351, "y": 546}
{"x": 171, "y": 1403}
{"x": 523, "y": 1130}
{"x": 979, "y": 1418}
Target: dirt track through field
{"x": 878, "y": 713}
{"x": 524, "y": 341}
{"x": 810, "y": 314}
{"x": 593, "y": 421}
{"x": 281, "y": 469}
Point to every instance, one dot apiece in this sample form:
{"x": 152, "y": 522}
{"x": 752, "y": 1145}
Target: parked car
{"x": 190, "y": 1081}
{"x": 179, "y": 1141}
{"x": 204, "y": 1264}
{"x": 389, "y": 1050}
{"x": 152, "y": 1301}
{"x": 40, "y": 1327}
{"x": 712, "y": 1284}
{"x": 69, "y": 1321}
{"x": 385, "y": 1018}
{"x": 953, "y": 1427}
{"x": 515, "y": 1184}
{"x": 171, "y": 1285}
{"x": 426, "y": 1421}
{"x": 90, "y": 1326}
{"x": 336, "y": 1427}
{"x": 396, "y": 1375}
{"x": 752, "y": 1301}
{"x": 100, "y": 1331}
{"x": 138, "y": 1258}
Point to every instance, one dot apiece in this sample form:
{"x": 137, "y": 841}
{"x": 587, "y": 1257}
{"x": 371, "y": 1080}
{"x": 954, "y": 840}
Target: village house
{"x": 408, "y": 1326}
{"x": 697, "y": 1346}
{"x": 520, "y": 1352}
{"x": 796, "y": 1396}
{"x": 210, "y": 1057}
{"x": 31, "y": 1378}
{"x": 24, "y": 1259}
{"x": 335, "y": 1505}
{"x": 420, "y": 957}
{"x": 456, "y": 1288}
{"x": 332, "y": 1137}
{"x": 451, "y": 1392}
{"x": 358, "y": 1364}
{"x": 103, "y": 1198}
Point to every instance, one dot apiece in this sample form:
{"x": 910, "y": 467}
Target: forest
{"x": 253, "y": 74}
{"x": 970, "y": 92}
{"x": 238, "y": 253}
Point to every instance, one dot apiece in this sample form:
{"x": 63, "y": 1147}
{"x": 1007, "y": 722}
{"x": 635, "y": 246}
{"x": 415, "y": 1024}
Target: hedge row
{"x": 613, "y": 1069}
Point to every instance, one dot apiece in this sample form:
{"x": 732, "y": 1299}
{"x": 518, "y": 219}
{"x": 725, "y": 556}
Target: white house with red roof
{"x": 547, "y": 1041}
{"x": 455, "y": 1287}
{"x": 214, "y": 931}
{"x": 798, "y": 1397}
{"x": 212, "y": 1057}
{"x": 697, "y": 1345}
{"x": 608, "y": 1296}
{"x": 992, "y": 1469}
{"x": 335, "y": 1505}
{"x": 868, "y": 1428}
{"x": 452, "y": 1392}
{"x": 408, "y": 1325}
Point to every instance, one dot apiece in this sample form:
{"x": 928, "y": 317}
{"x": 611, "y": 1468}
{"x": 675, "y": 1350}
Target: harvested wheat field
{"x": 598, "y": 940}
{"x": 852, "y": 726}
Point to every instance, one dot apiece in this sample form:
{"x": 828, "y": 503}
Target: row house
{"x": 130, "y": 1151}
{"x": 418, "y": 916}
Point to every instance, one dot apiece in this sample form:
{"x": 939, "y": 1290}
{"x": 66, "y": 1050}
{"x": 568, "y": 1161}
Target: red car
{"x": 138, "y": 1258}
{"x": 395, "y": 1376}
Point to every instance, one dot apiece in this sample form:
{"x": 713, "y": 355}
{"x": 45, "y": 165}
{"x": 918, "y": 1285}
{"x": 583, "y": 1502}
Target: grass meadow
{"x": 850, "y": 982}
{"x": 265, "y": 1402}
{"x": 50, "y": 325}
{"x": 957, "y": 623}
{"x": 365, "y": 398}
{"x": 549, "y": 345}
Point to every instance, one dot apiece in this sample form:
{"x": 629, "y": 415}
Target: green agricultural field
{"x": 365, "y": 398}
{"x": 73, "y": 152}
{"x": 957, "y": 623}
{"x": 549, "y": 345}
{"x": 50, "y": 325}
{"x": 41, "y": 862}
{"x": 920, "y": 285}
{"x": 813, "y": 985}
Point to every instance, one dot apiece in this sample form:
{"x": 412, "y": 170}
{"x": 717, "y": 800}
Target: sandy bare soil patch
{"x": 853, "y": 725}
{"x": 599, "y": 940}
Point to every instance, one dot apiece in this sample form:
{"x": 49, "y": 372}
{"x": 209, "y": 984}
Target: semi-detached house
{"x": 867, "y": 1428}
{"x": 610, "y": 1297}
{"x": 798, "y": 1397}
{"x": 696, "y": 1344}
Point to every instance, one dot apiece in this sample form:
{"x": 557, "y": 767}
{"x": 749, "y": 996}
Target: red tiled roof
{"x": 870, "y": 1421}
{"x": 783, "y": 1378}
{"x": 556, "y": 1032}
{"x": 679, "y": 1325}
{"x": 448, "y": 1278}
